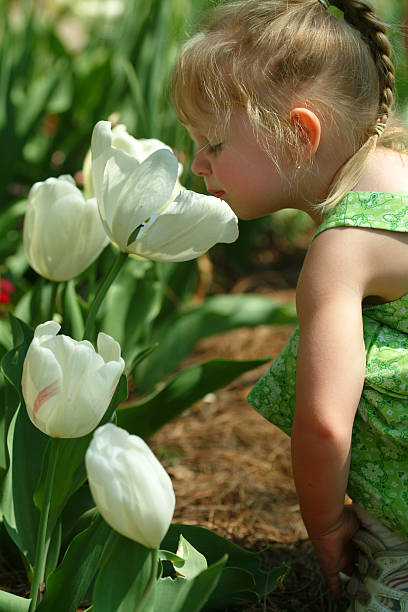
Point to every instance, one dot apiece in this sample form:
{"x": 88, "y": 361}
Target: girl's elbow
{"x": 332, "y": 429}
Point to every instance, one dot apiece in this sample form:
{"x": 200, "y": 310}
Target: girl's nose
{"x": 200, "y": 165}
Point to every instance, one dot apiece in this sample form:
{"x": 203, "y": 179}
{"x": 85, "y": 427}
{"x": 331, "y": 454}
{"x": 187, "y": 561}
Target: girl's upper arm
{"x": 331, "y": 355}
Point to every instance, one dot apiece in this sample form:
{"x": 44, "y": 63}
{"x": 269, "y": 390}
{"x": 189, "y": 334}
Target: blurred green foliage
{"x": 64, "y": 65}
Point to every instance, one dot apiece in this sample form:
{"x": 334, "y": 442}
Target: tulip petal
{"x": 108, "y": 348}
{"x": 108, "y": 185}
{"x": 56, "y": 187}
{"x": 84, "y": 237}
{"x": 79, "y": 360}
{"x": 144, "y": 194}
{"x": 46, "y": 330}
{"x": 187, "y": 228}
{"x": 41, "y": 384}
{"x": 155, "y": 506}
{"x": 95, "y": 395}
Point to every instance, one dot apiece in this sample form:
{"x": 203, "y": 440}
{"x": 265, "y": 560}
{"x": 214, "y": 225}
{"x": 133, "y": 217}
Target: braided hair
{"x": 362, "y": 17}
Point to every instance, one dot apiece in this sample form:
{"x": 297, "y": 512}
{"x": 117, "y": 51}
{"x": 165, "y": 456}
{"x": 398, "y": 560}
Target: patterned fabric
{"x": 378, "y": 478}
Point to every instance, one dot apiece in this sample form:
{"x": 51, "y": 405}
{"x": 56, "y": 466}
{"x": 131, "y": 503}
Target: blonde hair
{"x": 267, "y": 55}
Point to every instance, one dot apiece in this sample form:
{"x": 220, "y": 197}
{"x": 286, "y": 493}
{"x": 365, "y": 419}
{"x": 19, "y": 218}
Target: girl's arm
{"x": 330, "y": 377}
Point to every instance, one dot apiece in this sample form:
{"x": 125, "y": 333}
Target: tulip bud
{"x": 139, "y": 148}
{"x": 130, "y": 487}
{"x": 67, "y": 386}
{"x": 63, "y": 233}
{"x": 139, "y": 213}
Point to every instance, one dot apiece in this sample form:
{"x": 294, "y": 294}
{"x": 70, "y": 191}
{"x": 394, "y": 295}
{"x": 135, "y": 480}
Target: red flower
{"x": 6, "y": 289}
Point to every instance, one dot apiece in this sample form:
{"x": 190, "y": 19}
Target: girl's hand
{"x": 335, "y": 550}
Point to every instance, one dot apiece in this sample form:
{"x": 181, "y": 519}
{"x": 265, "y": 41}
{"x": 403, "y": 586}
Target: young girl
{"x": 289, "y": 105}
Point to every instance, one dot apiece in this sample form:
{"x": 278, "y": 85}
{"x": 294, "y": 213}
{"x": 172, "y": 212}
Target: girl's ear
{"x": 309, "y": 125}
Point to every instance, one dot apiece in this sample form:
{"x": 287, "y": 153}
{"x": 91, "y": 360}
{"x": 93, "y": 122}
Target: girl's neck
{"x": 314, "y": 178}
{"x": 387, "y": 171}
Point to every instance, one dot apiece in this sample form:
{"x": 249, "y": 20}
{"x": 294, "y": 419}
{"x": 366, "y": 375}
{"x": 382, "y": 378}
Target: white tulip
{"x": 130, "y": 487}
{"x": 139, "y": 148}
{"x": 67, "y": 385}
{"x": 138, "y": 212}
{"x": 63, "y": 233}
{"x": 86, "y": 9}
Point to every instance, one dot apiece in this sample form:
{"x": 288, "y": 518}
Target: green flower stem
{"x": 150, "y": 582}
{"x": 43, "y": 536}
{"x": 53, "y": 299}
{"x": 100, "y": 294}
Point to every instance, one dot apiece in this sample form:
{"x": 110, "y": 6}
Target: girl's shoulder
{"x": 365, "y": 249}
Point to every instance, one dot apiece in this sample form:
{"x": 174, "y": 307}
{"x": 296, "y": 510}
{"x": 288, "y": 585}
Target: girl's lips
{"x": 218, "y": 194}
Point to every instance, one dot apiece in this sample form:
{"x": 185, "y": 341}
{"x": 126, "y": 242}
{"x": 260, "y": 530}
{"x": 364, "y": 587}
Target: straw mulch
{"x": 231, "y": 473}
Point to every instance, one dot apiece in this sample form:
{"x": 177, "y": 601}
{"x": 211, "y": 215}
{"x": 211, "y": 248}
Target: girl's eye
{"x": 215, "y": 148}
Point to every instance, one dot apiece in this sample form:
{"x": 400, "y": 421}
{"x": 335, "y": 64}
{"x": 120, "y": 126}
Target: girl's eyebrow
{"x": 202, "y": 148}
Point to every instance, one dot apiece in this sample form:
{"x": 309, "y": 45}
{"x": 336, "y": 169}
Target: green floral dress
{"x": 378, "y": 477}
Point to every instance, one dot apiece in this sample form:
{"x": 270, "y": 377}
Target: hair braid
{"x": 362, "y": 17}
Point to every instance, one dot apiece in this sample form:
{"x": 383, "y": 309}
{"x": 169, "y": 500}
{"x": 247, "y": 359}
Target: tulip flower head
{"x": 138, "y": 210}
{"x": 139, "y": 148}
{"x": 130, "y": 487}
{"x": 67, "y": 386}
{"x": 63, "y": 233}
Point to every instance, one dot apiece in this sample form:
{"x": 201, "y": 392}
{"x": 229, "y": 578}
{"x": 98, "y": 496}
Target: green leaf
{"x": 139, "y": 356}
{"x": 6, "y": 340}
{"x": 336, "y": 12}
{"x": 166, "y": 555}
{"x": 68, "y": 585}
{"x": 12, "y": 362}
{"x": 182, "y": 595}
{"x": 9, "y": 402}
{"x": 181, "y": 392}
{"x": 122, "y": 580}
{"x": 235, "y": 587}
{"x": 72, "y": 311}
{"x": 179, "y": 283}
{"x": 132, "y": 303}
{"x": 194, "y": 561}
{"x": 26, "y": 445}
{"x": 69, "y": 474}
{"x": 54, "y": 549}
{"x": 178, "y": 334}
{"x": 213, "y": 546}
{"x": 79, "y": 512}
{"x": 13, "y": 603}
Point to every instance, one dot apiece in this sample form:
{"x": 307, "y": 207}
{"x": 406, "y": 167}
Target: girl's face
{"x": 240, "y": 172}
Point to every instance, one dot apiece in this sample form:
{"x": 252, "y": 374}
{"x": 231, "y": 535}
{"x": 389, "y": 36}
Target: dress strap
{"x": 388, "y": 211}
